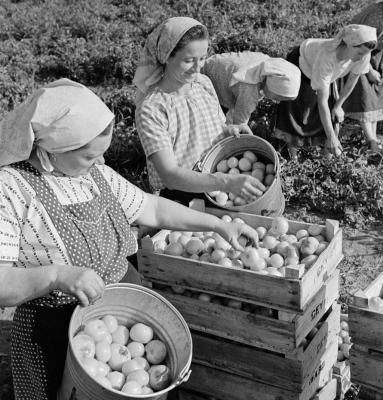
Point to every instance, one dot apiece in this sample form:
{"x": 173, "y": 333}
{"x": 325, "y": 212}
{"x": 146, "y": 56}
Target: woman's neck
{"x": 169, "y": 85}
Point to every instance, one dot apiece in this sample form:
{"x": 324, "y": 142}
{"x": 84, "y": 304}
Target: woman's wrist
{"x": 222, "y": 181}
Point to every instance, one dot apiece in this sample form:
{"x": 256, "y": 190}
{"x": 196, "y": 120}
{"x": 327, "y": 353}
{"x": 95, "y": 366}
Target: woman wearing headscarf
{"x": 65, "y": 225}
{"x": 308, "y": 120}
{"x": 241, "y": 80}
{"x": 365, "y": 103}
{"x": 178, "y": 115}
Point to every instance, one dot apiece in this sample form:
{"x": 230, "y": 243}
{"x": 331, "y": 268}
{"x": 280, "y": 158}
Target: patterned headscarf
{"x": 282, "y": 77}
{"x": 158, "y": 47}
{"x": 59, "y": 117}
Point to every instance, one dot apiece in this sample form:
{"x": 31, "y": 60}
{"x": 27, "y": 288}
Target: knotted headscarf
{"x": 158, "y": 47}
{"x": 282, "y": 77}
{"x": 353, "y": 35}
{"x": 60, "y": 117}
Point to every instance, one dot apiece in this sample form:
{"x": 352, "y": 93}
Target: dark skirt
{"x": 181, "y": 197}
{"x": 298, "y": 122}
{"x": 365, "y": 103}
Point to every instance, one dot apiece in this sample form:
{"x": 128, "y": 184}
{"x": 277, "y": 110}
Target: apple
{"x": 302, "y": 233}
{"x": 103, "y": 369}
{"x": 279, "y": 226}
{"x": 96, "y": 329}
{"x": 314, "y": 230}
{"x": 174, "y": 236}
{"x": 259, "y": 165}
{"x": 261, "y": 230}
{"x": 244, "y": 164}
{"x": 258, "y": 174}
{"x": 308, "y": 246}
{"x": 111, "y": 322}
{"x": 234, "y": 171}
{"x": 84, "y": 346}
{"x": 232, "y": 162}
{"x": 194, "y": 246}
{"x": 103, "y": 352}
{"x": 321, "y": 247}
{"x": 222, "y": 166}
{"x": 155, "y": 351}
{"x": 225, "y": 262}
{"x": 119, "y": 355}
{"x": 130, "y": 366}
{"x": 90, "y": 365}
{"x": 132, "y": 387}
{"x": 174, "y": 249}
{"x": 141, "y": 333}
{"x": 269, "y": 179}
{"x": 143, "y": 362}
{"x": 249, "y": 256}
{"x": 140, "y": 376}
{"x": 259, "y": 265}
{"x": 276, "y": 260}
{"x": 250, "y": 155}
{"x": 146, "y": 390}
{"x": 270, "y": 242}
{"x": 136, "y": 349}
{"x": 159, "y": 377}
{"x": 121, "y": 335}
{"x": 217, "y": 255}
{"x": 270, "y": 168}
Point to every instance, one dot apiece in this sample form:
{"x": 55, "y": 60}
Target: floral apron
{"x": 96, "y": 235}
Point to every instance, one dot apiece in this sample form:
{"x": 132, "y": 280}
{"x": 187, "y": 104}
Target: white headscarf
{"x": 158, "y": 47}
{"x": 354, "y": 35}
{"x": 282, "y": 77}
{"x": 59, "y": 117}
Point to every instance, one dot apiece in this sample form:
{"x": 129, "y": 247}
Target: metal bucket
{"x": 129, "y": 304}
{"x": 272, "y": 202}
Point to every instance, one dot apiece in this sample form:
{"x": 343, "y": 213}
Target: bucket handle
{"x": 183, "y": 377}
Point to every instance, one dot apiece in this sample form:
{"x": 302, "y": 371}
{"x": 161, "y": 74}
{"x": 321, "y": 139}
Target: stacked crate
{"x": 283, "y": 350}
{"x": 366, "y": 328}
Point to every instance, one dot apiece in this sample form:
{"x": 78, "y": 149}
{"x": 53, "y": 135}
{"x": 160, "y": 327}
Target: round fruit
{"x": 174, "y": 249}
{"x": 121, "y": 335}
{"x": 280, "y": 225}
{"x": 130, "y": 366}
{"x": 222, "y": 166}
{"x": 155, "y": 351}
{"x": 117, "y": 379}
{"x": 96, "y": 329}
{"x": 258, "y": 173}
{"x": 269, "y": 179}
{"x": 244, "y": 164}
{"x": 84, "y": 346}
{"x": 250, "y": 155}
{"x": 259, "y": 165}
{"x": 136, "y": 349}
{"x": 119, "y": 355}
{"x": 141, "y": 333}
{"x": 194, "y": 246}
{"x": 221, "y": 198}
{"x": 103, "y": 352}
{"x": 276, "y": 260}
{"x": 270, "y": 242}
{"x": 261, "y": 230}
{"x": 110, "y": 322}
{"x": 302, "y": 233}
{"x": 269, "y": 169}
{"x": 132, "y": 388}
{"x": 232, "y": 162}
{"x": 314, "y": 230}
{"x": 159, "y": 377}
{"x": 140, "y": 376}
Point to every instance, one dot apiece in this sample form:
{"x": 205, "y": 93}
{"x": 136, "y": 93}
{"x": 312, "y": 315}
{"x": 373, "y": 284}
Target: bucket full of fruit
{"x": 130, "y": 344}
{"x": 248, "y": 155}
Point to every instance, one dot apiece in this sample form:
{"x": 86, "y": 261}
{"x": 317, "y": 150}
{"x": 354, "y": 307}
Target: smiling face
{"x": 79, "y": 162}
{"x": 183, "y": 66}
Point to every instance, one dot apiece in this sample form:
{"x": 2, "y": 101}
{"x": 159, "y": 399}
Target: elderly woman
{"x": 365, "y": 103}
{"x": 65, "y": 225}
{"x": 308, "y": 120}
{"x": 241, "y": 80}
{"x": 178, "y": 115}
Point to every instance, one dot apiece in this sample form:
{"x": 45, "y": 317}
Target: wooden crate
{"x": 295, "y": 371}
{"x": 342, "y": 374}
{"x": 366, "y": 327}
{"x": 227, "y": 386}
{"x": 277, "y": 292}
{"x": 283, "y": 335}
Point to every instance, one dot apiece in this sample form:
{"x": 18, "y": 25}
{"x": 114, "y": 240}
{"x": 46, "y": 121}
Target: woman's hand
{"x": 337, "y": 114}
{"x": 232, "y": 231}
{"x": 236, "y": 130}
{"x": 245, "y": 186}
{"x": 333, "y": 145}
{"x": 374, "y": 77}
{"x": 83, "y": 283}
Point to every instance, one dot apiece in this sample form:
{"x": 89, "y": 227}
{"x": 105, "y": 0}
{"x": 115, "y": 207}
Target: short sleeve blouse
{"x": 318, "y": 62}
{"x": 189, "y": 123}
{"x": 27, "y": 235}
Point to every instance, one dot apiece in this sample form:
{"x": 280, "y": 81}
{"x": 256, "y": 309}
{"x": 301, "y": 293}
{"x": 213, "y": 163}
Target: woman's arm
{"x": 325, "y": 116}
{"x": 344, "y": 93}
{"x": 18, "y": 285}
{"x": 177, "y": 177}
{"x": 163, "y": 213}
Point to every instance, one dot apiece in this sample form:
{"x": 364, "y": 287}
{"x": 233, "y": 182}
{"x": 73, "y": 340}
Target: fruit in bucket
{"x": 132, "y": 360}
{"x": 248, "y": 164}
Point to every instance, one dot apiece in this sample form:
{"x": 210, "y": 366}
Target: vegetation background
{"x": 98, "y": 42}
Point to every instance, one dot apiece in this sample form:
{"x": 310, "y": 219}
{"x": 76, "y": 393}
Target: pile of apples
{"x": 277, "y": 248}
{"x": 344, "y": 341}
{"x": 247, "y": 164}
{"x": 132, "y": 361}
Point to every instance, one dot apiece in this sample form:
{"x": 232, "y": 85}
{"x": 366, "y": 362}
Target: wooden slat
{"x": 267, "y": 367}
{"x": 369, "y": 393}
{"x": 254, "y": 329}
{"x": 366, "y": 367}
{"x": 366, "y": 327}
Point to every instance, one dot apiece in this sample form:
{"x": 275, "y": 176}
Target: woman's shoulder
{"x": 14, "y": 187}
{"x": 203, "y": 82}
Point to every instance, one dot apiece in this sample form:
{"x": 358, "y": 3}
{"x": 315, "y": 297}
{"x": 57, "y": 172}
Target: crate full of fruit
{"x": 293, "y": 261}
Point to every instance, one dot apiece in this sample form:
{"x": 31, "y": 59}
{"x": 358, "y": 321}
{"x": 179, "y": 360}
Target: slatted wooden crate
{"x": 295, "y": 371}
{"x": 283, "y": 334}
{"x": 286, "y": 294}
{"x": 366, "y": 328}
